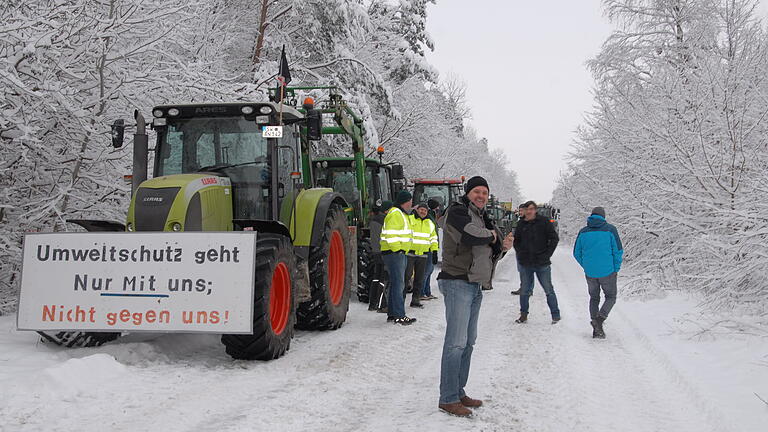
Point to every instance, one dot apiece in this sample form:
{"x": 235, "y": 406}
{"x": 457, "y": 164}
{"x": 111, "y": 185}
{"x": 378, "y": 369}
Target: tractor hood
{"x": 182, "y": 202}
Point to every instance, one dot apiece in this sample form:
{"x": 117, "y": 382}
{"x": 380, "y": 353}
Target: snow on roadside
{"x": 648, "y": 375}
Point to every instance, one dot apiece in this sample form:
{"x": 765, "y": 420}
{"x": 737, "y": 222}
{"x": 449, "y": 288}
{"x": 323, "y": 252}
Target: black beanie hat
{"x": 403, "y": 197}
{"x": 598, "y": 211}
{"x": 475, "y": 182}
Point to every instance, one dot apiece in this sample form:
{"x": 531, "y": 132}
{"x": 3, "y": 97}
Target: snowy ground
{"x": 653, "y": 373}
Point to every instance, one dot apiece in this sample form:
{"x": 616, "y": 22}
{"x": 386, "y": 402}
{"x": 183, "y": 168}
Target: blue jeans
{"x": 427, "y": 289}
{"x": 462, "y": 309}
{"x": 396, "y": 263}
{"x": 544, "y": 274}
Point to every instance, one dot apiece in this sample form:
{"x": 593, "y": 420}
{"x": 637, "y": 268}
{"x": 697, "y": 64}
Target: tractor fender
{"x": 98, "y": 225}
{"x": 266, "y": 226}
{"x": 308, "y": 216}
{"x": 323, "y": 205}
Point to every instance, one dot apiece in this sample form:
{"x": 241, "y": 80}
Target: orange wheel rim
{"x": 336, "y": 268}
{"x": 280, "y": 298}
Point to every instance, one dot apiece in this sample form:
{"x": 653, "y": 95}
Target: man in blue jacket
{"x": 599, "y": 251}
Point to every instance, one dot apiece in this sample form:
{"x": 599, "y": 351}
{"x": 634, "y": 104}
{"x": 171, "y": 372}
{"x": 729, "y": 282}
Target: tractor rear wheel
{"x": 274, "y": 311}
{"x": 364, "y": 269}
{"x": 330, "y": 276}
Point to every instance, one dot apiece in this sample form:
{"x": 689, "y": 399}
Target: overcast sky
{"x": 524, "y": 65}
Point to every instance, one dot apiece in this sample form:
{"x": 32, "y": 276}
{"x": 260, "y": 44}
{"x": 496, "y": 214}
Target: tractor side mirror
{"x": 397, "y": 172}
{"x": 118, "y": 133}
{"x": 314, "y": 125}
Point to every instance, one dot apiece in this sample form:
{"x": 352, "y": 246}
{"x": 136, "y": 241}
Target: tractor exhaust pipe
{"x": 140, "y": 152}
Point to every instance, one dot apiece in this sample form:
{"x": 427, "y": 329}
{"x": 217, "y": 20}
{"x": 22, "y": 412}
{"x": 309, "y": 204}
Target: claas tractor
{"x": 362, "y": 181}
{"x": 217, "y": 169}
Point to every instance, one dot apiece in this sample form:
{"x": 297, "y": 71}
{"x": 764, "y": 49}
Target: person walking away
{"x": 420, "y": 252}
{"x": 396, "y": 237}
{"x": 377, "y": 298}
{"x": 599, "y": 251}
{"x": 471, "y": 246}
{"x": 426, "y": 292}
{"x": 535, "y": 243}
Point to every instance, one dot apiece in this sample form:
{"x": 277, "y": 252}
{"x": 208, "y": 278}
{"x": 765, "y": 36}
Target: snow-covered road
{"x": 375, "y": 376}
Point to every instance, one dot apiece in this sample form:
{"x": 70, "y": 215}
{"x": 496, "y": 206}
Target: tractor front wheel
{"x": 274, "y": 312}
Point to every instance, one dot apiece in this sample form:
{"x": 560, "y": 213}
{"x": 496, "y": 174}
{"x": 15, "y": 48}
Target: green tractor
{"x": 361, "y": 180}
{"x": 551, "y": 213}
{"x": 498, "y": 213}
{"x": 217, "y": 169}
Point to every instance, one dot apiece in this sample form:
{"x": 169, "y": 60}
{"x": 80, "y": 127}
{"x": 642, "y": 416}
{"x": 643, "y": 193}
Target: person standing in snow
{"x": 426, "y": 292}
{"x": 471, "y": 246}
{"x": 422, "y": 246}
{"x": 396, "y": 240}
{"x": 599, "y": 251}
{"x": 535, "y": 242}
{"x": 377, "y": 298}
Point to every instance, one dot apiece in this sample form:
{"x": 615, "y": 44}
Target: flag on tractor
{"x": 284, "y": 74}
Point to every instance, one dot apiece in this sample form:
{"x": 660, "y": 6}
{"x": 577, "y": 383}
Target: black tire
{"x": 364, "y": 269}
{"x": 274, "y": 256}
{"x": 321, "y": 312}
{"x": 73, "y": 339}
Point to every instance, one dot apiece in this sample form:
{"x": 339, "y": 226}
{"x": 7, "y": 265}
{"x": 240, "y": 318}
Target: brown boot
{"x": 471, "y": 403}
{"x": 523, "y": 318}
{"x": 456, "y": 409}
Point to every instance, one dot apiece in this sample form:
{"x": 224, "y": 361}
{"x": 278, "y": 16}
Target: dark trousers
{"x": 608, "y": 285}
{"x": 377, "y": 293}
{"x": 414, "y": 276}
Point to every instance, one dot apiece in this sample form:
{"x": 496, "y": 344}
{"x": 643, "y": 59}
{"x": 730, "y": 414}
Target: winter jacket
{"x": 396, "y": 234}
{"x": 377, "y": 222}
{"x": 424, "y": 235}
{"x": 467, "y": 250}
{"x": 535, "y": 242}
{"x": 598, "y": 248}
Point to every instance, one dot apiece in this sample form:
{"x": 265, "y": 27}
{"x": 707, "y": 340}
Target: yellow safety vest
{"x": 396, "y": 234}
{"x": 424, "y": 235}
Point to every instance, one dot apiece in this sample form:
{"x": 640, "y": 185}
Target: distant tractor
{"x": 499, "y": 215}
{"x": 444, "y": 191}
{"x": 216, "y": 168}
{"x": 362, "y": 181}
{"x": 551, "y": 213}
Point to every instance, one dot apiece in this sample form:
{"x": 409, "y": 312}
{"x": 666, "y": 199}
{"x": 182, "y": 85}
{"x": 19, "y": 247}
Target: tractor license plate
{"x": 272, "y": 132}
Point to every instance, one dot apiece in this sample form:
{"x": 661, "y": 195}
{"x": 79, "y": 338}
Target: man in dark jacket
{"x": 471, "y": 246}
{"x": 599, "y": 251}
{"x": 535, "y": 242}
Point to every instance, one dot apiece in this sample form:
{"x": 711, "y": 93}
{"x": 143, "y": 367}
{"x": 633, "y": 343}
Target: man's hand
{"x": 508, "y": 240}
{"x": 494, "y": 237}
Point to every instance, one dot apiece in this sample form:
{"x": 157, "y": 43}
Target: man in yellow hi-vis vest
{"x": 424, "y": 242}
{"x": 396, "y": 239}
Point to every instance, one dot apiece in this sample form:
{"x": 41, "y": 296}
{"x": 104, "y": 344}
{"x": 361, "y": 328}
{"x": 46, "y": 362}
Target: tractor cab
{"x": 444, "y": 191}
{"x": 239, "y": 147}
{"x": 340, "y": 175}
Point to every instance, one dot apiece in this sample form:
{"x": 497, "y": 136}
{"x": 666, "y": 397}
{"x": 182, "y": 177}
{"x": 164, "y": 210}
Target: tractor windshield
{"x": 440, "y": 192}
{"x": 187, "y": 145}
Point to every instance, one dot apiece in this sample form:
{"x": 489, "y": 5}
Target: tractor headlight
{"x": 173, "y": 112}
{"x": 176, "y": 227}
{"x": 129, "y": 227}
{"x": 266, "y": 110}
{"x": 325, "y": 164}
{"x": 157, "y": 113}
{"x": 246, "y": 110}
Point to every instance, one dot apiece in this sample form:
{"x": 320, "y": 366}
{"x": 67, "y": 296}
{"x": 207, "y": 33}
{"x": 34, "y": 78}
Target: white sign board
{"x": 159, "y": 282}
{"x": 272, "y": 132}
